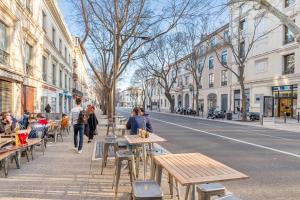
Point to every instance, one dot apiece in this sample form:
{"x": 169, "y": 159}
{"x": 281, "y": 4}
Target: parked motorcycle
{"x": 254, "y": 116}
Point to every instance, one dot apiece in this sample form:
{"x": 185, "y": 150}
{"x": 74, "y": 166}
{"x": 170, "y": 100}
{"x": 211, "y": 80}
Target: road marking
{"x": 229, "y": 138}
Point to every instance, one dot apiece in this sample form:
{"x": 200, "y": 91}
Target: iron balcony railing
{"x": 4, "y": 57}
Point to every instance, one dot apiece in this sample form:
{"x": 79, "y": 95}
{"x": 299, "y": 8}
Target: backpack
{"x": 82, "y": 118}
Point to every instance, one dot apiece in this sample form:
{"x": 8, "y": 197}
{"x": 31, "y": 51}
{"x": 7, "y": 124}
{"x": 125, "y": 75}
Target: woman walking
{"x": 92, "y": 123}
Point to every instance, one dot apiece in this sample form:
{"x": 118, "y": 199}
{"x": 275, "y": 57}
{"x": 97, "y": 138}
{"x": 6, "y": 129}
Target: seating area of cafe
{"x": 189, "y": 175}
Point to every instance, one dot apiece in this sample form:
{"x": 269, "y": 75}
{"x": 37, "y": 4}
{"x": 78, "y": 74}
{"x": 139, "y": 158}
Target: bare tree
{"x": 130, "y": 24}
{"x": 162, "y": 63}
{"x": 284, "y": 19}
{"x": 140, "y": 80}
{"x": 241, "y": 43}
{"x": 195, "y": 57}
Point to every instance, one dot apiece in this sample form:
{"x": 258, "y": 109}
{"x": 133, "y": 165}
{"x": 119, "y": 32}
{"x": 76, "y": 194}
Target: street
{"x": 271, "y": 158}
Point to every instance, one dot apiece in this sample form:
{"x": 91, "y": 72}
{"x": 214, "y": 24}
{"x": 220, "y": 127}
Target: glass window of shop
{"x": 285, "y": 100}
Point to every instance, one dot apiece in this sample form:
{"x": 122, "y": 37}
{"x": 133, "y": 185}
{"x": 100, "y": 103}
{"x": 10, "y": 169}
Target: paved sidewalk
{"x": 291, "y": 124}
{"x": 63, "y": 174}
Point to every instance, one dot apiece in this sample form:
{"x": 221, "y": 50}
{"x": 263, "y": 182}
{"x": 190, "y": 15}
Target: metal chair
{"x": 143, "y": 190}
{"x": 228, "y": 197}
{"x": 58, "y": 133}
{"x": 108, "y": 142}
{"x": 120, "y": 156}
{"x": 206, "y": 191}
{"x": 112, "y": 125}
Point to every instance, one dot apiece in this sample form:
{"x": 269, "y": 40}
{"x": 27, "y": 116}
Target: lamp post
{"x": 191, "y": 88}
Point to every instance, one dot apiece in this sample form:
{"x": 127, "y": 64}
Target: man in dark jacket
{"x": 48, "y": 108}
{"x": 135, "y": 122}
{"x": 147, "y": 120}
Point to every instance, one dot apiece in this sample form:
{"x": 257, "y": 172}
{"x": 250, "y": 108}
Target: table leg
{"x": 18, "y": 159}
{"x": 144, "y": 161}
{"x": 158, "y": 174}
{"x": 194, "y": 192}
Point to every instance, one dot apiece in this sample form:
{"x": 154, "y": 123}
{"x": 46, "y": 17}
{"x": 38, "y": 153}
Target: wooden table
{"x": 136, "y": 139}
{"x": 194, "y": 168}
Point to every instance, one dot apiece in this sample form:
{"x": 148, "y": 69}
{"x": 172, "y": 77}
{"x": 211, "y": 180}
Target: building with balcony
{"x": 130, "y": 97}
{"x": 35, "y": 57}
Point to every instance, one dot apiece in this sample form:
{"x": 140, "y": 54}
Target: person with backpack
{"x": 135, "y": 122}
{"x": 78, "y": 121}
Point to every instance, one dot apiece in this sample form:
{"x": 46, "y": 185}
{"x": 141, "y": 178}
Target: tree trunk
{"x": 243, "y": 109}
{"x": 197, "y": 99}
{"x": 109, "y": 103}
{"x": 171, "y": 101}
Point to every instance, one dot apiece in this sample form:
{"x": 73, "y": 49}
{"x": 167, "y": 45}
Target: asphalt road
{"x": 270, "y": 157}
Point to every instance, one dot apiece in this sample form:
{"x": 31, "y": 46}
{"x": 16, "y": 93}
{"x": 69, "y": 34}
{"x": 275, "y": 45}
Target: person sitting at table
{"x": 41, "y": 119}
{"x": 135, "y": 122}
{"x": 5, "y": 123}
{"x": 147, "y": 120}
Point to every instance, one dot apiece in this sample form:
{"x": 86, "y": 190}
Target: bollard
{"x": 298, "y": 117}
{"x": 284, "y": 118}
{"x": 262, "y": 119}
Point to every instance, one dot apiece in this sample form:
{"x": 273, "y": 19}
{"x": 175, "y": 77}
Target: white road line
{"x": 229, "y": 138}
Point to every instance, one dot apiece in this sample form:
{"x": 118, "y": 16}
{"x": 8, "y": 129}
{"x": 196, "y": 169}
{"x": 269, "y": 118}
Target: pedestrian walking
{"x": 78, "y": 121}
{"x": 48, "y": 108}
{"x": 92, "y": 123}
{"x": 146, "y": 120}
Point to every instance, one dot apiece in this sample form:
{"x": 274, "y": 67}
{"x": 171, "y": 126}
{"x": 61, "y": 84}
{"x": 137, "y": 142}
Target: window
{"x": 60, "y": 78}
{"x": 289, "y": 64}
{"x": 70, "y": 84}
{"x": 224, "y": 57}
{"x": 28, "y": 4}
{"x": 28, "y": 56}
{"x": 211, "y": 62}
{"x": 44, "y": 68}
{"x": 242, "y": 49}
{"x": 242, "y": 25}
{"x": 60, "y": 46}
{"x": 261, "y": 66}
{"x": 224, "y": 78}
{"x": 54, "y": 74}
{"x": 4, "y": 56}
{"x": 187, "y": 80}
{"x": 288, "y": 35}
{"x": 44, "y": 20}
{"x": 213, "y": 42}
{"x": 69, "y": 59}
{"x": 66, "y": 81}
{"x": 226, "y": 35}
{"x": 289, "y": 3}
{"x": 211, "y": 79}
{"x": 53, "y": 36}
{"x": 66, "y": 53}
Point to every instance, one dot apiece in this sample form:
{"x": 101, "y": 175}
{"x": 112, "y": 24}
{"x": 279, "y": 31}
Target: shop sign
{"x": 284, "y": 88}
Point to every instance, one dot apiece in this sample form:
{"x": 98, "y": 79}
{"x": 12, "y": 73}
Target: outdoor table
{"x": 191, "y": 169}
{"x": 136, "y": 140}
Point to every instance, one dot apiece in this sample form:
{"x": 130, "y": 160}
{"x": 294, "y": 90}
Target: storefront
{"x": 285, "y": 100}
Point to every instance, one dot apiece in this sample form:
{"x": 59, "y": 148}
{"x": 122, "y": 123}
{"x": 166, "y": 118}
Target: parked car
{"x": 254, "y": 116}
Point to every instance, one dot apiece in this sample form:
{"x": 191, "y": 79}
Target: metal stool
{"x": 120, "y": 156}
{"x": 108, "y": 142}
{"x": 206, "y": 191}
{"x": 150, "y": 154}
{"x": 228, "y": 197}
{"x": 146, "y": 190}
{"x": 112, "y": 125}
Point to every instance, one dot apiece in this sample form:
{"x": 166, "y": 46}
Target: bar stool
{"x": 108, "y": 142}
{"x": 120, "y": 156}
{"x": 143, "y": 190}
{"x": 206, "y": 191}
{"x": 112, "y": 125}
{"x": 228, "y": 197}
